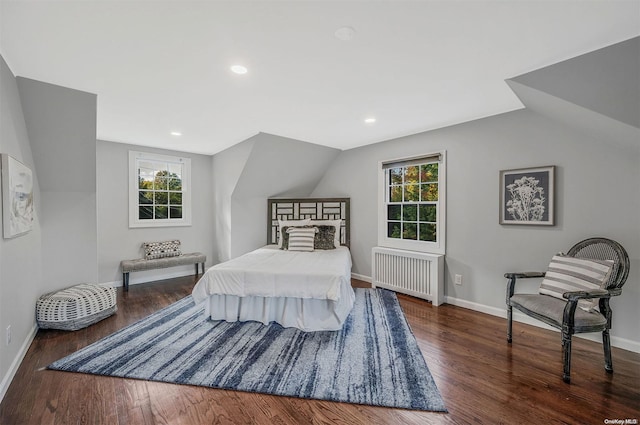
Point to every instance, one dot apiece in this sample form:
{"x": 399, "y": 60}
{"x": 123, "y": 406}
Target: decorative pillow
{"x": 284, "y": 240}
{"x": 335, "y": 223}
{"x": 325, "y": 238}
{"x": 161, "y": 249}
{"x": 283, "y": 223}
{"x": 568, "y": 274}
{"x": 301, "y": 238}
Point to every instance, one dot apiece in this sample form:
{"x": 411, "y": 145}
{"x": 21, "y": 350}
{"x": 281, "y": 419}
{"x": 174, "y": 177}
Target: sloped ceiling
{"x": 598, "y": 92}
{"x": 163, "y": 66}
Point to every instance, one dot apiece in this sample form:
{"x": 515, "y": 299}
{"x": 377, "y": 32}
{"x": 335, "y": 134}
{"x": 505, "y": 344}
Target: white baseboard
{"x": 361, "y": 277}
{"x": 8, "y": 377}
{"x": 146, "y": 278}
{"x": 625, "y": 344}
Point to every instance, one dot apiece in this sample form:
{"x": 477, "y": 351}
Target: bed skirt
{"x": 306, "y": 314}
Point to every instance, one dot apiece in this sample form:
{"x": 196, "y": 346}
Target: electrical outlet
{"x": 8, "y": 334}
{"x": 458, "y": 279}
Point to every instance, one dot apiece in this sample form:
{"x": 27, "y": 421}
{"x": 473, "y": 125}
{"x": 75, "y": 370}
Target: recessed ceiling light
{"x": 370, "y": 120}
{"x": 176, "y": 133}
{"x": 345, "y": 33}
{"x": 239, "y": 69}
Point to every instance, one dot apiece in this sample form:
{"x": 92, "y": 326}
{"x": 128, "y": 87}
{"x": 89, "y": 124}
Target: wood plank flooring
{"x": 482, "y": 379}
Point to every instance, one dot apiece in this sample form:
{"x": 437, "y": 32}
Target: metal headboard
{"x": 313, "y": 208}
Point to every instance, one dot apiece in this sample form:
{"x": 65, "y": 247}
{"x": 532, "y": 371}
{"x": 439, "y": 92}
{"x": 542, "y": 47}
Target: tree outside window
{"x": 412, "y": 202}
{"x": 159, "y": 195}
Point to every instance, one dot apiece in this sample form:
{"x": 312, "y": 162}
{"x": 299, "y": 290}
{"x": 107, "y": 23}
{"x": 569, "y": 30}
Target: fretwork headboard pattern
{"x": 313, "y": 208}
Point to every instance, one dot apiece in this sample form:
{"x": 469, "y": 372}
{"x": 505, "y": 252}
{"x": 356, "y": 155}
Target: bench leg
{"x": 125, "y": 281}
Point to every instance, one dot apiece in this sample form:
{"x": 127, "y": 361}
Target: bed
{"x": 310, "y": 291}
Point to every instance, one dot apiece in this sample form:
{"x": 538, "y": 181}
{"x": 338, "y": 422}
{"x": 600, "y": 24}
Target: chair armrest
{"x": 512, "y": 276}
{"x": 524, "y": 275}
{"x": 585, "y": 295}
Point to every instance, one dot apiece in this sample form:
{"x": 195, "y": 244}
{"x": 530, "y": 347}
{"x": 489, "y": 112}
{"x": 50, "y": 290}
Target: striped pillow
{"x": 301, "y": 238}
{"x": 282, "y": 228}
{"x": 568, "y": 274}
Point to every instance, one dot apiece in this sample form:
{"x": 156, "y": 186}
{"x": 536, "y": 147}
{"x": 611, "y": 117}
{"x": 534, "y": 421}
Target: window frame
{"x": 437, "y": 247}
{"x": 134, "y": 220}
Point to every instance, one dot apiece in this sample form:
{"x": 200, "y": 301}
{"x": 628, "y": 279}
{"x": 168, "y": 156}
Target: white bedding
{"x": 308, "y": 290}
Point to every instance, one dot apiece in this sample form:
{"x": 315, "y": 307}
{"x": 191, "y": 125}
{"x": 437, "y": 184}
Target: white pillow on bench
{"x": 163, "y": 249}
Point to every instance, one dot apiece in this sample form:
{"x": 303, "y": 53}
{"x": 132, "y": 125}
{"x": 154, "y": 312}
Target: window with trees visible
{"x": 159, "y": 190}
{"x": 412, "y": 210}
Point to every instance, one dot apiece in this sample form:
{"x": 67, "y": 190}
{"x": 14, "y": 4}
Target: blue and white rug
{"x": 373, "y": 360}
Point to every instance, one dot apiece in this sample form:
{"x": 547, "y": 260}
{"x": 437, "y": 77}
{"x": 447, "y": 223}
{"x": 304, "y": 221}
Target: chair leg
{"x": 509, "y": 323}
{"x": 606, "y": 344}
{"x": 566, "y": 356}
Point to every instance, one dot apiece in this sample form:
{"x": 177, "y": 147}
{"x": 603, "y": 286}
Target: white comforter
{"x": 271, "y": 272}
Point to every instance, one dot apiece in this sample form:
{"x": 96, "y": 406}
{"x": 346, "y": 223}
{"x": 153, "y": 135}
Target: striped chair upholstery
{"x": 560, "y": 309}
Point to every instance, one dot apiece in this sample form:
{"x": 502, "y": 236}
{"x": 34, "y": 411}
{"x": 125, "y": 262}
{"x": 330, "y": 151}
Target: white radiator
{"x": 413, "y": 273}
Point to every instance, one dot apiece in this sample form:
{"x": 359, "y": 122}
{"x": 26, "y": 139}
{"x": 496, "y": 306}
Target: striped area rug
{"x": 373, "y": 360}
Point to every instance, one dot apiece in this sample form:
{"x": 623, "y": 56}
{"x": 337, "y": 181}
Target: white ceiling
{"x": 162, "y": 66}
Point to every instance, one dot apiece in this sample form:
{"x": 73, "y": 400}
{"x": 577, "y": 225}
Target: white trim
{"x": 438, "y": 247}
{"x": 361, "y": 277}
{"x": 146, "y": 276}
{"x": 134, "y": 222}
{"x": 11, "y": 373}
{"x": 616, "y": 341}
{"x": 625, "y": 344}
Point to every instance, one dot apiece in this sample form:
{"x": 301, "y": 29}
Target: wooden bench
{"x": 140, "y": 264}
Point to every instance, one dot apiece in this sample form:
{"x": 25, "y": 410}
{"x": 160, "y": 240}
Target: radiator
{"x": 413, "y": 273}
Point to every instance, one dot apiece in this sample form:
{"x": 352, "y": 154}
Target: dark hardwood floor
{"x": 481, "y": 378}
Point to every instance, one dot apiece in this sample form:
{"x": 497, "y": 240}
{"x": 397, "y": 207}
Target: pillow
{"x": 282, "y": 223}
{"x": 325, "y": 238}
{"x": 301, "y": 238}
{"x": 335, "y": 223}
{"x": 568, "y": 274}
{"x": 161, "y": 249}
{"x": 285, "y": 236}
{"x": 284, "y": 242}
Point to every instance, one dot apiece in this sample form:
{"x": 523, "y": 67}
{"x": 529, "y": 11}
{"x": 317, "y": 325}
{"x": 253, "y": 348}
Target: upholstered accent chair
{"x": 566, "y": 314}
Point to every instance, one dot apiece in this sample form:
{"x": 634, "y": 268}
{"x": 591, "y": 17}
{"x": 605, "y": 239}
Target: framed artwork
{"x": 17, "y": 197}
{"x": 527, "y": 196}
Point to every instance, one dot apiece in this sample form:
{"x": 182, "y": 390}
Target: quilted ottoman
{"x": 76, "y": 307}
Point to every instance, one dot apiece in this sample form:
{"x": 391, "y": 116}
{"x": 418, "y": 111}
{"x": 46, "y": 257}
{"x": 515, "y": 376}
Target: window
{"x": 412, "y": 203}
{"x": 159, "y": 190}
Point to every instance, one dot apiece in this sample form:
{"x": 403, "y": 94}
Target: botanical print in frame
{"x": 527, "y": 196}
{"x": 17, "y": 198}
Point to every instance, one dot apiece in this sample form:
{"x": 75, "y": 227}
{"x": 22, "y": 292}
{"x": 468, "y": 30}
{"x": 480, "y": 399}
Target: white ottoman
{"x": 76, "y": 307}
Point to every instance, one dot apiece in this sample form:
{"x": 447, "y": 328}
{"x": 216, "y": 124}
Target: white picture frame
{"x": 527, "y": 196}
{"x": 17, "y": 198}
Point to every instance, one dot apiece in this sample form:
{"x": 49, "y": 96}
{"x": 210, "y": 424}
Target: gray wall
{"x": 228, "y": 166}
{"x": 596, "y": 192}
{"x": 246, "y": 175}
{"x": 116, "y": 241}
{"x": 20, "y": 258}
{"x": 61, "y": 123}
{"x": 597, "y": 177}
